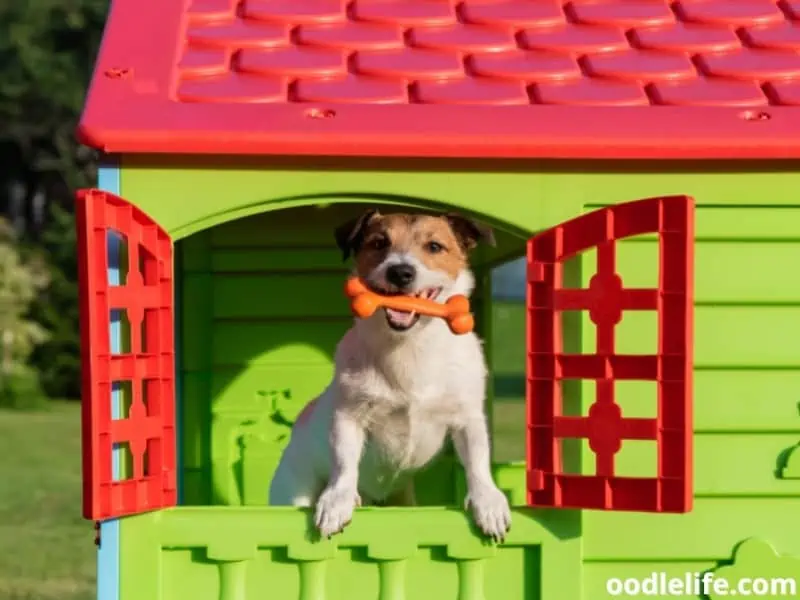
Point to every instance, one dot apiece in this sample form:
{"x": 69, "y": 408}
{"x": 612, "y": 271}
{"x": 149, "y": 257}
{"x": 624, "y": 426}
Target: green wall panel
{"x": 709, "y": 532}
{"x": 238, "y": 553}
{"x": 262, "y": 312}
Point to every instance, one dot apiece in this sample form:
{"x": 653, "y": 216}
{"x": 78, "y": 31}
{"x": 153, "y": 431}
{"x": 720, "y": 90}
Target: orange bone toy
{"x": 364, "y": 302}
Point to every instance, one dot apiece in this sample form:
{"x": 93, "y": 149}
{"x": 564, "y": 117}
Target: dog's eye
{"x": 434, "y": 247}
{"x": 379, "y": 243}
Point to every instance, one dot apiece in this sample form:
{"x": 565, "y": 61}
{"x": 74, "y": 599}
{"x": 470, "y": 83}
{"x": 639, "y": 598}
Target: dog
{"x": 402, "y": 383}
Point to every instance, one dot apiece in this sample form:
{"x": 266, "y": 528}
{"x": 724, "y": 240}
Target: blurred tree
{"x": 20, "y": 281}
{"x": 47, "y": 52}
{"x": 56, "y": 308}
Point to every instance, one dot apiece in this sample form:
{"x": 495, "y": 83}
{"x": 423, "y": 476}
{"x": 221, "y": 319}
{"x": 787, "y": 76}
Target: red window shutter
{"x": 145, "y": 366}
{"x": 672, "y": 219}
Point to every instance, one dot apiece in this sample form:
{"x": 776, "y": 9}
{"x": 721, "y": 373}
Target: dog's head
{"x": 412, "y": 254}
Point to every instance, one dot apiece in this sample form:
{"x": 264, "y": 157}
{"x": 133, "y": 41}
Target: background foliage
{"x": 47, "y": 52}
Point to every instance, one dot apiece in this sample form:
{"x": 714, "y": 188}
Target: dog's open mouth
{"x": 401, "y": 320}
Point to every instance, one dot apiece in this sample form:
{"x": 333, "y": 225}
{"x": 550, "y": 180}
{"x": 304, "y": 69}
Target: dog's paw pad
{"x": 335, "y": 510}
{"x": 491, "y": 511}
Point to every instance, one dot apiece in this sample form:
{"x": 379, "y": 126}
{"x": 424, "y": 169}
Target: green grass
{"x": 47, "y": 549}
{"x": 508, "y": 373}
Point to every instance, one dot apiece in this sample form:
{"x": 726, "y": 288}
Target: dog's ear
{"x": 349, "y": 235}
{"x": 469, "y": 232}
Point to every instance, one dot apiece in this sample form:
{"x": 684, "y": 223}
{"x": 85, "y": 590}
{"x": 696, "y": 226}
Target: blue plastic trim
{"x": 108, "y": 554}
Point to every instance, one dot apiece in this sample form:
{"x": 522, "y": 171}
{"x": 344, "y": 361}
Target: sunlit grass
{"x": 47, "y": 549}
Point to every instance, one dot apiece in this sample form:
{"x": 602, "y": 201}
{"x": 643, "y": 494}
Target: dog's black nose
{"x": 401, "y": 275}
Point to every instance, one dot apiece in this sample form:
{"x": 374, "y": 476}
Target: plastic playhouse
{"x": 642, "y": 154}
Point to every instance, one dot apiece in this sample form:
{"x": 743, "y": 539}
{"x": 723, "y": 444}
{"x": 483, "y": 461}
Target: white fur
{"x": 394, "y": 398}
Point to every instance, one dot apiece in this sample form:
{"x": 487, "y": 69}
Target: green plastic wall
{"x": 746, "y": 398}
{"x": 236, "y": 553}
{"x": 256, "y": 323}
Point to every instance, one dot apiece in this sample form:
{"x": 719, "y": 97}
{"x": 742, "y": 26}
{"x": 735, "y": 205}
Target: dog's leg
{"x": 336, "y": 503}
{"x": 489, "y": 505}
{"x": 290, "y": 488}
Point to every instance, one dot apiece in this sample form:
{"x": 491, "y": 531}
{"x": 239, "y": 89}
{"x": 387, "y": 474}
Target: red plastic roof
{"x": 480, "y": 78}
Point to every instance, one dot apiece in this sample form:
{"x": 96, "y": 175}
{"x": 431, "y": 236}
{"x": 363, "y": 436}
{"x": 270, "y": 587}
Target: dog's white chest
{"x": 406, "y": 399}
{"x": 403, "y": 427}
{"x": 401, "y": 437}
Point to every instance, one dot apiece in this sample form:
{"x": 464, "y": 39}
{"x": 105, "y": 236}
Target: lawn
{"x": 47, "y": 549}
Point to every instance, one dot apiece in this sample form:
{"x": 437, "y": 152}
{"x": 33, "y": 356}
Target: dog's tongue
{"x": 400, "y": 317}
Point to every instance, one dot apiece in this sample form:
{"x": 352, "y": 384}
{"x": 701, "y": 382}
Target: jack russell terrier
{"x": 402, "y": 383}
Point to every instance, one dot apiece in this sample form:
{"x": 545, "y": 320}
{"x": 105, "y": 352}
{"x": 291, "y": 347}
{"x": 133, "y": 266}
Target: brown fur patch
{"x": 430, "y": 239}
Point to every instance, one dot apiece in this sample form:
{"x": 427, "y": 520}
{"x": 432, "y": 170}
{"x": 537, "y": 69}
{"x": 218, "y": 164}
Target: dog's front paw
{"x": 335, "y": 510}
{"x": 490, "y": 510}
